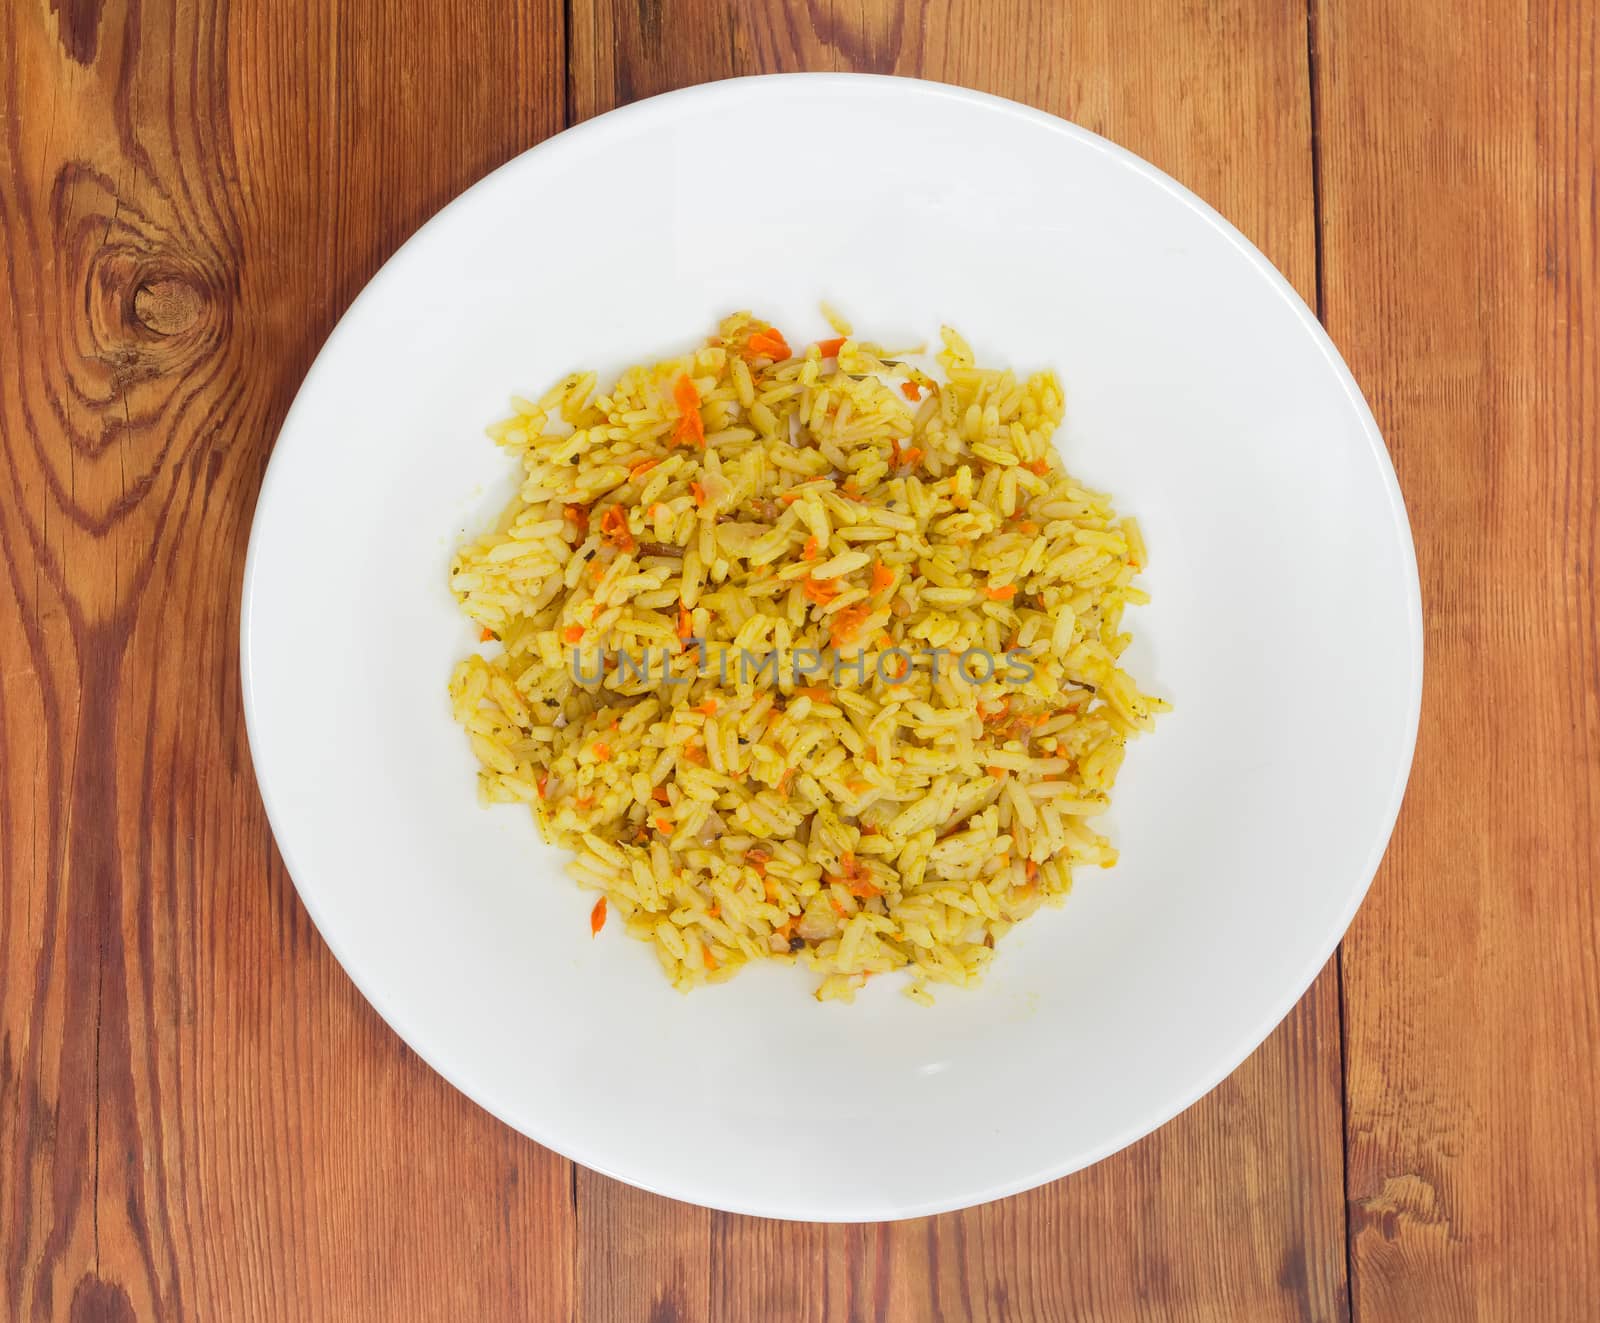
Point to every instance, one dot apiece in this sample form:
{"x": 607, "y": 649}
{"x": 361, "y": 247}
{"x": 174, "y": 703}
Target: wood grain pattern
{"x": 1235, "y": 1210}
{"x": 1459, "y": 152}
{"x": 199, "y": 1117}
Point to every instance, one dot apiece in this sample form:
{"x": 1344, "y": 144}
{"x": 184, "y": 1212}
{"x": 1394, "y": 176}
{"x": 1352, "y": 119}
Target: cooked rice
{"x": 861, "y": 824}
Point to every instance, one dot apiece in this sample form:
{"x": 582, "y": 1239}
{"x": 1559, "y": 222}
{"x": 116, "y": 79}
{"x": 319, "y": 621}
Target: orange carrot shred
{"x": 708, "y": 708}
{"x": 882, "y": 577}
{"x": 485, "y": 634}
{"x": 659, "y": 794}
{"x": 1038, "y": 466}
{"x": 699, "y": 494}
{"x": 576, "y": 514}
{"x": 1001, "y": 594}
{"x": 691, "y": 428}
{"x": 821, "y": 591}
{"x": 641, "y": 468}
{"x": 543, "y": 785}
{"x": 664, "y": 825}
{"x": 585, "y": 800}
{"x": 816, "y": 693}
{"x": 614, "y": 528}
{"x": 768, "y": 344}
{"x": 847, "y": 624}
{"x": 911, "y": 390}
{"x": 710, "y": 960}
{"x": 999, "y": 773}
{"x": 789, "y": 498}
{"x": 572, "y": 634}
{"x": 601, "y": 751}
{"x": 597, "y": 917}
{"x": 685, "y": 622}
{"x": 1031, "y": 869}
{"x": 811, "y": 550}
{"x": 831, "y": 348}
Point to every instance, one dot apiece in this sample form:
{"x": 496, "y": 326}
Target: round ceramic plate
{"x": 1285, "y": 628}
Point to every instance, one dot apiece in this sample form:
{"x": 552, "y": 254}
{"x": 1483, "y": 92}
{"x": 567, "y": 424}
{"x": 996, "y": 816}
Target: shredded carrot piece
{"x": 572, "y": 634}
{"x": 485, "y": 634}
{"x": 847, "y": 624}
{"x": 810, "y": 552}
{"x": 711, "y": 960}
{"x": 708, "y": 708}
{"x": 584, "y": 801}
{"x": 577, "y": 515}
{"x": 663, "y": 825}
{"x": 659, "y": 794}
{"x": 913, "y": 456}
{"x": 831, "y": 348}
{"x": 911, "y": 390}
{"x": 695, "y": 754}
{"x": 783, "y": 782}
{"x": 1031, "y": 869}
{"x": 699, "y": 494}
{"x": 543, "y": 786}
{"x": 882, "y": 577}
{"x": 783, "y": 928}
{"x": 715, "y": 911}
{"x": 856, "y": 787}
{"x": 816, "y": 693}
{"x": 769, "y": 888}
{"x": 789, "y": 498}
{"x": 616, "y": 723}
{"x": 1027, "y": 526}
{"x": 601, "y": 751}
{"x": 691, "y": 429}
{"x": 614, "y": 528}
{"x": 1001, "y": 594}
{"x": 758, "y": 860}
{"x": 999, "y": 710}
{"x": 999, "y": 773}
{"x": 821, "y": 591}
{"x": 597, "y": 917}
{"x": 685, "y": 622}
{"x": 838, "y": 907}
{"x": 768, "y": 344}
{"x": 1038, "y": 466}
{"x": 641, "y": 468}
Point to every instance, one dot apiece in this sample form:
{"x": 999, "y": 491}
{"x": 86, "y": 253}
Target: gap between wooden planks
{"x": 199, "y": 1118}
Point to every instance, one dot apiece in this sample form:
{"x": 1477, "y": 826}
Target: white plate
{"x": 1286, "y": 627}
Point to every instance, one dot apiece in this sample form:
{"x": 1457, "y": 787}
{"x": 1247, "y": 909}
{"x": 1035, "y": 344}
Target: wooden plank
{"x": 1458, "y": 155}
{"x": 1234, "y": 1210}
{"x": 199, "y": 1117}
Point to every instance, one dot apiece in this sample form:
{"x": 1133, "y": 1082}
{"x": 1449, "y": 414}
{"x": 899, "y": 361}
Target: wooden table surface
{"x": 199, "y": 1116}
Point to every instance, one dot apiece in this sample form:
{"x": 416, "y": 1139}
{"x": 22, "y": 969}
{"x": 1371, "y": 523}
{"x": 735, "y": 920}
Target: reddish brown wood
{"x": 199, "y": 1117}
{"x": 1458, "y": 151}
